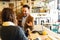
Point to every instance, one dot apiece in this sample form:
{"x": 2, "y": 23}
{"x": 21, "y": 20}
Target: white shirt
{"x": 24, "y": 20}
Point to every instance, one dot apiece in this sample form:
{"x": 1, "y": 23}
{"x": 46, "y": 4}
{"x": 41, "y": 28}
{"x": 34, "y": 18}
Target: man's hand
{"x": 29, "y": 24}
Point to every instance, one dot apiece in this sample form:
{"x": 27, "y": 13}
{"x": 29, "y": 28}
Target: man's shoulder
{"x": 30, "y": 16}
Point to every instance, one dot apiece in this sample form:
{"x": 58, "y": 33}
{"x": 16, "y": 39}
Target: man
{"x": 25, "y": 19}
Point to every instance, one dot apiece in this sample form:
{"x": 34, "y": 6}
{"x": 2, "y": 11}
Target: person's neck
{"x": 24, "y": 16}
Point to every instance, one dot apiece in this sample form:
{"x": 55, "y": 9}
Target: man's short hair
{"x": 26, "y": 6}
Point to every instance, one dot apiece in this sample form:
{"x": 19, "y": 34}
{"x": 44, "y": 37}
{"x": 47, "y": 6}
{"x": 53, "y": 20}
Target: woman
{"x": 10, "y": 30}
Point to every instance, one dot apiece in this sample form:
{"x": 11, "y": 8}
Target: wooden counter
{"x": 51, "y": 35}
{"x": 33, "y": 36}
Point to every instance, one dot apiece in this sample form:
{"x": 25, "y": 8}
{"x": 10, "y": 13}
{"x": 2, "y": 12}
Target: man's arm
{"x": 30, "y": 21}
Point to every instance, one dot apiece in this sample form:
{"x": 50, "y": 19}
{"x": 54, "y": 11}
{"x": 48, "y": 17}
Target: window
{"x": 58, "y": 16}
{"x": 58, "y": 4}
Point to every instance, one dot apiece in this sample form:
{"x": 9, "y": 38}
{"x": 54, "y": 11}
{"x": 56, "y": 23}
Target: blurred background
{"x": 45, "y": 12}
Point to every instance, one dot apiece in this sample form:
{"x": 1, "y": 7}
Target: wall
{"x": 6, "y": 4}
{"x": 53, "y": 11}
{"x": 2, "y": 5}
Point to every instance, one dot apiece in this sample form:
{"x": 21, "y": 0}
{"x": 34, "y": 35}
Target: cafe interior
{"x": 45, "y": 13}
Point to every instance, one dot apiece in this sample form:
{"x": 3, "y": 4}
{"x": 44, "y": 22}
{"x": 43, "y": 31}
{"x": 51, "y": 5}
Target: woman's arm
{"x": 22, "y": 34}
